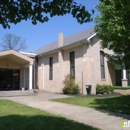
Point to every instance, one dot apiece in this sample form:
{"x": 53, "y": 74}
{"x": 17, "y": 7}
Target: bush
{"x": 101, "y": 89}
{"x": 106, "y": 88}
{"x": 111, "y": 88}
{"x": 66, "y": 90}
{"x": 69, "y": 85}
{"x": 74, "y": 89}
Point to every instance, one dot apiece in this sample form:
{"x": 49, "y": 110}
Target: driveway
{"x": 100, "y": 119}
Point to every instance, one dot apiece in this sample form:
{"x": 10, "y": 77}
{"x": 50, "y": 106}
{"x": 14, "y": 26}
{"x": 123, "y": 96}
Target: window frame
{"x": 102, "y": 66}
{"x": 51, "y": 68}
{"x": 72, "y": 63}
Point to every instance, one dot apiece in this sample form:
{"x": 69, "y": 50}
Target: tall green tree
{"x": 14, "y": 11}
{"x": 113, "y": 28}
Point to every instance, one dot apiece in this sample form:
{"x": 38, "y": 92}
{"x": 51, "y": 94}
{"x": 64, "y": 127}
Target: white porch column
{"x": 124, "y": 80}
{"x": 124, "y": 73}
{"x": 24, "y": 70}
{"x": 30, "y": 76}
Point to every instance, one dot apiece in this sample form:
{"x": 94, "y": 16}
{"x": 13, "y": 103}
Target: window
{"x": 72, "y": 63}
{"x": 51, "y": 68}
{"x": 102, "y": 65}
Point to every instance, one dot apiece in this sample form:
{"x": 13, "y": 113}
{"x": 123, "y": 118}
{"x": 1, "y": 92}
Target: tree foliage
{"x": 113, "y": 28}
{"x": 14, "y": 11}
{"x": 11, "y": 41}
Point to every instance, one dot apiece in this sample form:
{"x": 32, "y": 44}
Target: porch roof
{"x": 16, "y": 57}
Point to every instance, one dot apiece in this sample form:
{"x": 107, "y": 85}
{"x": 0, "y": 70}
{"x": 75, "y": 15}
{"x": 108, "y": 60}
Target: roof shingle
{"x": 67, "y": 41}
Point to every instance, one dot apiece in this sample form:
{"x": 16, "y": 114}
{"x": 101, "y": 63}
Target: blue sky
{"x": 44, "y": 33}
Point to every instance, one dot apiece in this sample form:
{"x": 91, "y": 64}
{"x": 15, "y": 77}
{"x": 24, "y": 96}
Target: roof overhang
{"x": 16, "y": 57}
{"x": 75, "y": 44}
{"x": 69, "y": 46}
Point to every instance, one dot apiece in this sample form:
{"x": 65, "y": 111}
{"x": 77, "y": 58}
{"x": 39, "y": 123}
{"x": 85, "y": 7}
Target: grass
{"x": 119, "y": 104}
{"x": 14, "y": 116}
{"x": 120, "y": 87}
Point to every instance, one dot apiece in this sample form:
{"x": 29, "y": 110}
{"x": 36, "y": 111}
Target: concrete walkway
{"x": 100, "y": 119}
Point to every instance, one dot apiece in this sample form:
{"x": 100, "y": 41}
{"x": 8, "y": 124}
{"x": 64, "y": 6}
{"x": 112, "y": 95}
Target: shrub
{"x": 69, "y": 85}
{"x": 66, "y": 90}
{"x": 101, "y": 89}
{"x": 106, "y": 88}
{"x": 111, "y": 88}
{"x": 74, "y": 89}
{"x": 68, "y": 81}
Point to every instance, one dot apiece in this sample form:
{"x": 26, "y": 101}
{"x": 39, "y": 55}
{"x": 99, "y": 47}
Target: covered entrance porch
{"x": 16, "y": 71}
{"x": 119, "y": 76}
{"x": 122, "y": 76}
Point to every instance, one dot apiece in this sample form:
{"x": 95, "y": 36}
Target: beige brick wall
{"x": 27, "y": 78}
{"x": 24, "y": 78}
{"x": 87, "y": 68}
{"x": 78, "y": 64}
{"x": 96, "y": 69}
{"x": 51, "y": 85}
{"x": 40, "y": 73}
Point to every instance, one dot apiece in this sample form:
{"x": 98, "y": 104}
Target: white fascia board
{"x": 28, "y": 53}
{"x": 88, "y": 39}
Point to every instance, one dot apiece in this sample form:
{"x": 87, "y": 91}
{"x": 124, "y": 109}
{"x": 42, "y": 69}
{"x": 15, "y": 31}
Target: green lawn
{"x": 119, "y": 104}
{"x": 120, "y": 87}
{"x": 14, "y": 116}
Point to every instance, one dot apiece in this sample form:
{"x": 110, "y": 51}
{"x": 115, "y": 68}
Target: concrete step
{"x": 15, "y": 93}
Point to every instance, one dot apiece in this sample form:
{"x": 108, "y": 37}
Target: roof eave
{"x": 77, "y": 43}
{"x": 63, "y": 47}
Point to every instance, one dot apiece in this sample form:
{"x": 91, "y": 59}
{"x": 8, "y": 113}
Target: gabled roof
{"x": 67, "y": 41}
{"x": 47, "y": 48}
{"x": 16, "y": 56}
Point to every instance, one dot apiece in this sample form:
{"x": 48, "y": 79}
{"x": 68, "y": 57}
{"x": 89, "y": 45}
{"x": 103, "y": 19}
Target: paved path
{"x": 100, "y": 119}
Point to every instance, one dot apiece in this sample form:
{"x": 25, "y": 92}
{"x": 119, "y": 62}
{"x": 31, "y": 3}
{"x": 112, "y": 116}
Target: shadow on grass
{"x": 118, "y": 105}
{"x": 18, "y": 122}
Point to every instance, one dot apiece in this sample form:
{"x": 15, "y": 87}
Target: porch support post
{"x": 30, "y": 76}
{"x": 124, "y": 73}
{"x": 124, "y": 80}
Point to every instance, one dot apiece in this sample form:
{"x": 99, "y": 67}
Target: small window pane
{"x": 51, "y": 68}
{"x": 72, "y": 64}
{"x": 102, "y": 65}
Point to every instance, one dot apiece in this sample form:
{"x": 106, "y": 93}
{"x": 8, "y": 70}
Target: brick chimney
{"x": 60, "y": 39}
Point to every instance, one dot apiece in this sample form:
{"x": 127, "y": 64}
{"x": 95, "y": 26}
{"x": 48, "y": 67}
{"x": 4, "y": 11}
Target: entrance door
{"x": 9, "y": 79}
{"x": 118, "y": 77}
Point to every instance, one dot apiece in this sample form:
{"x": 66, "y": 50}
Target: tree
{"x": 14, "y": 11}
{"x": 10, "y": 41}
{"x": 113, "y": 28}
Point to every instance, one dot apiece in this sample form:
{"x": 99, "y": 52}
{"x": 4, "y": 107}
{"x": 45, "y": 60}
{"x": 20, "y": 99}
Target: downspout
{"x": 82, "y": 67}
{"x": 34, "y": 76}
